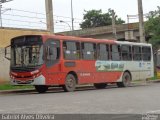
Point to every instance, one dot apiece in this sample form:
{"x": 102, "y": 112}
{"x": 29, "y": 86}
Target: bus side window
{"x": 146, "y": 53}
{"x": 88, "y": 51}
{"x": 53, "y": 50}
{"x": 52, "y": 53}
{"x": 137, "y": 53}
{"x": 71, "y": 50}
{"x": 103, "y": 52}
{"x": 126, "y": 52}
{"x": 115, "y": 52}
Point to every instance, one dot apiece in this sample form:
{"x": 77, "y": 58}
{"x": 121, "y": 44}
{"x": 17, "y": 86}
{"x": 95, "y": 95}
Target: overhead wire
{"x": 36, "y": 18}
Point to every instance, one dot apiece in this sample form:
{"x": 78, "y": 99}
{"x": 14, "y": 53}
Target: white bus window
{"x": 115, "y": 53}
{"x": 137, "y": 53}
{"x": 126, "y": 52}
{"x": 146, "y": 52}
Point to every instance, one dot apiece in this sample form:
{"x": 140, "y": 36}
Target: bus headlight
{"x": 34, "y": 72}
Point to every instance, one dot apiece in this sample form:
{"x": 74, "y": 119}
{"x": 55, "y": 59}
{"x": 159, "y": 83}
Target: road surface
{"x": 137, "y": 99}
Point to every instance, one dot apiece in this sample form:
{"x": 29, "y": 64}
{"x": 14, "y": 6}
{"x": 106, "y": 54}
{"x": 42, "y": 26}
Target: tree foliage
{"x": 152, "y": 27}
{"x": 95, "y": 18}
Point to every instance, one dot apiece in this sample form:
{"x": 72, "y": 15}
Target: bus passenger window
{"x": 89, "y": 51}
{"x": 126, "y": 52}
{"x": 115, "y": 52}
{"x": 146, "y": 53}
{"x": 53, "y": 53}
{"x": 71, "y": 50}
{"x": 103, "y": 52}
{"x": 137, "y": 53}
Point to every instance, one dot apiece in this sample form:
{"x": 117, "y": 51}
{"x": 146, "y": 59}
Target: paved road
{"x": 137, "y": 99}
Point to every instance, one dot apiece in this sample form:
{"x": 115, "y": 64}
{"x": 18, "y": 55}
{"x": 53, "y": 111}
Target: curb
{"x": 17, "y": 90}
{"x": 33, "y": 90}
{"x": 147, "y": 81}
{"x": 154, "y": 81}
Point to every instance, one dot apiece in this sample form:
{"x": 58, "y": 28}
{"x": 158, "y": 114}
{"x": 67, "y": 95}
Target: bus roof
{"x": 63, "y": 37}
{"x": 96, "y": 40}
{"x": 132, "y": 43}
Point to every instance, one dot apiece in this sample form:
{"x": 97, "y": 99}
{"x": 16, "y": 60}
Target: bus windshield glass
{"x": 26, "y": 52}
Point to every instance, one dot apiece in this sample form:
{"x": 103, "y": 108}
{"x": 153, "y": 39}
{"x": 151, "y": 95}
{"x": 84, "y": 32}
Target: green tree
{"x": 152, "y": 27}
{"x": 95, "y": 18}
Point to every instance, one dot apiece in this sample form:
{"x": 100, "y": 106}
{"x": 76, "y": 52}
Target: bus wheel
{"x": 70, "y": 83}
{"x": 100, "y": 85}
{"x": 41, "y": 88}
{"x": 126, "y": 80}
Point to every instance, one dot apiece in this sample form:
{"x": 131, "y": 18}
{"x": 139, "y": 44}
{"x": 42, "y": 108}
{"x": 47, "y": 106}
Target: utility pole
{"x": 72, "y": 15}
{"x": 114, "y": 24}
{"x": 141, "y": 22}
{"x": 49, "y": 16}
{"x": 1, "y": 14}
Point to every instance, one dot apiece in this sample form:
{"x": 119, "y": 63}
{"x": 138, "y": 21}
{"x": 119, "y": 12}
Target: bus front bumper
{"x": 36, "y": 81}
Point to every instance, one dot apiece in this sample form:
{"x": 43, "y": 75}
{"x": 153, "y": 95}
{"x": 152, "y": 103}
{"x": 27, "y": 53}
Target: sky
{"x": 63, "y": 8}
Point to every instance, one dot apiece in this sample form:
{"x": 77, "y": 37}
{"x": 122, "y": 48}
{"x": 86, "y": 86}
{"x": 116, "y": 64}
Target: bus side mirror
{"x": 7, "y": 52}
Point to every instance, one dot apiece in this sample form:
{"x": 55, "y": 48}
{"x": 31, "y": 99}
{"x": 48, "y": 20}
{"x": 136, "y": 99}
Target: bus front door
{"x": 53, "y": 61}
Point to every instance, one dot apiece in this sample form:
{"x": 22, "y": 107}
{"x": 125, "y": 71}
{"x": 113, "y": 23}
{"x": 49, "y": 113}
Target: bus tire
{"x": 41, "y": 88}
{"x": 70, "y": 83}
{"x": 100, "y": 85}
{"x": 126, "y": 80}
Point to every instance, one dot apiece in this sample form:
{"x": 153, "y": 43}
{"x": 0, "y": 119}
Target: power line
{"x": 8, "y": 24}
{"x": 43, "y": 14}
{"x": 22, "y": 21}
{"x": 28, "y": 11}
{"x": 34, "y": 19}
{"x": 67, "y": 17}
{"x": 22, "y": 26}
{"x": 56, "y": 21}
{"x": 23, "y": 16}
{"x": 29, "y": 21}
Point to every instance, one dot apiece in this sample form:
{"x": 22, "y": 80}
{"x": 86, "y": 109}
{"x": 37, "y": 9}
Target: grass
{"x": 154, "y": 78}
{"x": 7, "y": 86}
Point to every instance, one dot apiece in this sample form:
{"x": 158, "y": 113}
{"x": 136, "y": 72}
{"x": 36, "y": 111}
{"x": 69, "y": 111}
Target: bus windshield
{"x": 26, "y": 52}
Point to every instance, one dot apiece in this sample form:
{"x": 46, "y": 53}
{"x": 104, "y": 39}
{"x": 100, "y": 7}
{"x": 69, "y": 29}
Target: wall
{"x": 107, "y": 30}
{"x": 4, "y": 67}
{"x": 5, "y": 35}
